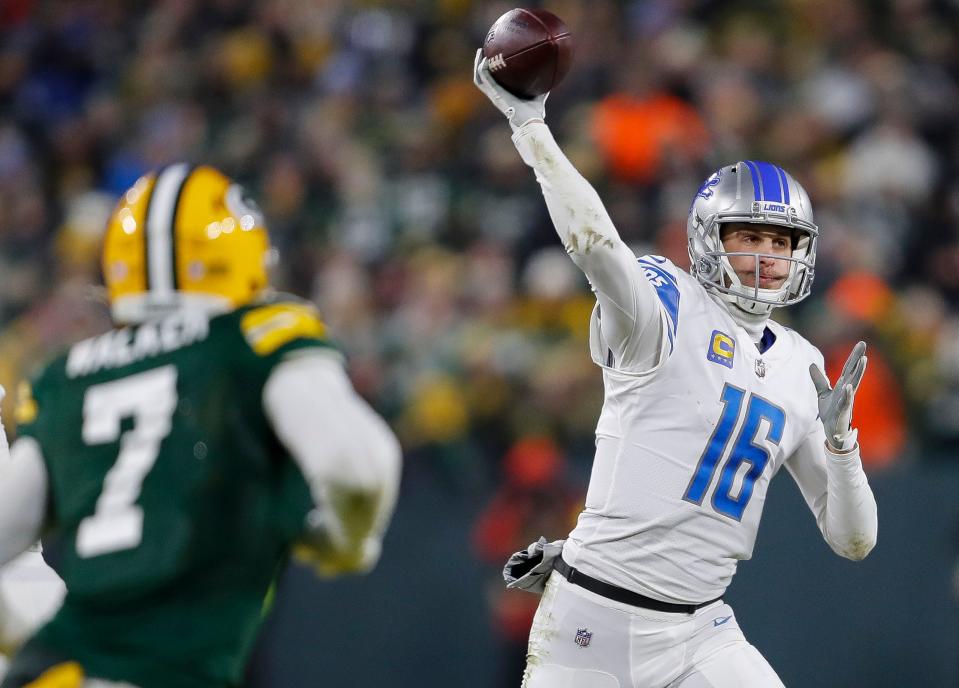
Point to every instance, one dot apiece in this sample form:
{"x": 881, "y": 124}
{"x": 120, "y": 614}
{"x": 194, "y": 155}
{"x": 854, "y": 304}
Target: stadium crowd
{"x": 397, "y": 203}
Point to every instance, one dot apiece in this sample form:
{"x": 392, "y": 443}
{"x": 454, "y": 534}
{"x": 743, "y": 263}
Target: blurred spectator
{"x": 535, "y": 499}
{"x": 865, "y": 302}
{"x": 399, "y": 205}
{"x": 640, "y": 135}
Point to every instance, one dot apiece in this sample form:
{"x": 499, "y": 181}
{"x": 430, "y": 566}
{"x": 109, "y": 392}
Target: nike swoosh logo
{"x": 720, "y": 621}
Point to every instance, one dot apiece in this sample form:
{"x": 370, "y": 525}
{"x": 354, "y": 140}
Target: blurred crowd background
{"x": 398, "y": 204}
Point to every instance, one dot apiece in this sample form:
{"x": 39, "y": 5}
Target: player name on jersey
{"x": 128, "y": 345}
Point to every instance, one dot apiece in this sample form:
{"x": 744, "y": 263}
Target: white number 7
{"x": 150, "y": 398}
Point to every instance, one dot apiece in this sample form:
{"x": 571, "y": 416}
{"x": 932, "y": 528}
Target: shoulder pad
{"x": 267, "y": 328}
{"x": 271, "y": 297}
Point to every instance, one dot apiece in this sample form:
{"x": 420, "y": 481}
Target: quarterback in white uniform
{"x": 706, "y": 398}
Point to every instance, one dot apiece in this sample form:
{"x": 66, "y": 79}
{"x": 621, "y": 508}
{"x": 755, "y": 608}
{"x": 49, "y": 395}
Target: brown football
{"x": 529, "y": 51}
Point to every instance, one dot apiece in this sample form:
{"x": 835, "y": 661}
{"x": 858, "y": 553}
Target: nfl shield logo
{"x": 760, "y": 367}
{"x": 583, "y": 637}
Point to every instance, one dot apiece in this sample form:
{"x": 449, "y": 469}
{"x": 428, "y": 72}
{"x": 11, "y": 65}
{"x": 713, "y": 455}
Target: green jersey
{"x": 171, "y": 501}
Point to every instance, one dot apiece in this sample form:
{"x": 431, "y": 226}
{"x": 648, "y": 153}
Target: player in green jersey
{"x": 175, "y": 462}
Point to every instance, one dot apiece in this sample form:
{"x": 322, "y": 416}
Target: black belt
{"x": 618, "y": 594}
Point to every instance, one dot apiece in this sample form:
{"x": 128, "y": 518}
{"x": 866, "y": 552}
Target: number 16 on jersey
{"x": 744, "y": 451}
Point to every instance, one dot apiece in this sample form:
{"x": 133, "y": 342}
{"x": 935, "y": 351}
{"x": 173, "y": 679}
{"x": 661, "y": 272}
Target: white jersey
{"x": 685, "y": 451}
{"x": 696, "y": 420}
{"x": 30, "y": 593}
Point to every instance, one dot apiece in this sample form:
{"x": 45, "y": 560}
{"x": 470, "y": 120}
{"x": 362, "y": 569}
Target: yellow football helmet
{"x": 184, "y": 237}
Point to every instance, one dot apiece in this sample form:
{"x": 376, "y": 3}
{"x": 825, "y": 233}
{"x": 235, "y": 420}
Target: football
{"x": 528, "y": 51}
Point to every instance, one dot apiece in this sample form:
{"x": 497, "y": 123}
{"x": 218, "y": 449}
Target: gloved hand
{"x": 517, "y": 110}
{"x": 331, "y": 563}
{"x": 528, "y": 569}
{"x": 835, "y": 403}
{"x": 341, "y": 535}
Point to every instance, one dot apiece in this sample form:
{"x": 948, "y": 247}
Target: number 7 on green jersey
{"x": 150, "y": 398}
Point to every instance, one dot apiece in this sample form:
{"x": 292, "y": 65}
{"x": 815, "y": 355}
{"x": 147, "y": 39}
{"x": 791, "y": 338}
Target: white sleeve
{"x": 838, "y": 494}
{"x": 23, "y": 498}
{"x": 30, "y": 593}
{"x": 339, "y": 443}
{"x": 632, "y": 321}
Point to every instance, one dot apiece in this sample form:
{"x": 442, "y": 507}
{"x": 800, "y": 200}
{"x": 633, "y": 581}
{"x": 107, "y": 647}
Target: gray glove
{"x": 530, "y": 568}
{"x": 835, "y": 403}
{"x": 517, "y": 110}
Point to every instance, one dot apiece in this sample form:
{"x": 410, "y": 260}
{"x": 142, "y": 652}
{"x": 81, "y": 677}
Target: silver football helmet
{"x": 760, "y": 193}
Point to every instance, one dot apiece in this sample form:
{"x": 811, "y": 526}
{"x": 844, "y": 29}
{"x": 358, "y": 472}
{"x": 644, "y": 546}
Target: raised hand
{"x": 835, "y": 403}
{"x": 517, "y": 110}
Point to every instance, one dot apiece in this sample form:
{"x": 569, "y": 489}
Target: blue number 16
{"x": 744, "y": 450}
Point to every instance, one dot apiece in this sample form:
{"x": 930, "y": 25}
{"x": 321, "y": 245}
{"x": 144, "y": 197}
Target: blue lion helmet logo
{"x": 706, "y": 190}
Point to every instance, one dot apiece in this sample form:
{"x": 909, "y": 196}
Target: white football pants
{"x": 582, "y": 640}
